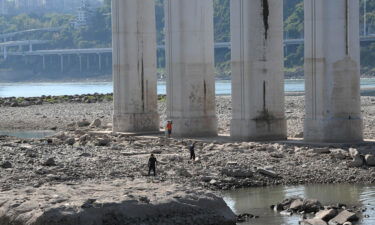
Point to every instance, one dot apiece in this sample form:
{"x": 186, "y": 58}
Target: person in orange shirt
{"x": 169, "y": 128}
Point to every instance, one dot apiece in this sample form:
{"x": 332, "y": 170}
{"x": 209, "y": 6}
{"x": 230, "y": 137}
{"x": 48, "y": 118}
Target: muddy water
{"x": 257, "y": 201}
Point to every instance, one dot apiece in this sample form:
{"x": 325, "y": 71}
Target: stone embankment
{"x": 126, "y": 202}
{"x": 314, "y": 213}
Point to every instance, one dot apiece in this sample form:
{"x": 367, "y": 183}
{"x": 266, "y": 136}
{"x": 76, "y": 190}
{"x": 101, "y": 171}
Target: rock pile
{"x": 359, "y": 160}
{"x": 314, "y": 213}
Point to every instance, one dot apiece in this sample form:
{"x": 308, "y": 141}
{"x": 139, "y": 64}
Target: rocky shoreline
{"x": 85, "y": 150}
{"x": 314, "y": 213}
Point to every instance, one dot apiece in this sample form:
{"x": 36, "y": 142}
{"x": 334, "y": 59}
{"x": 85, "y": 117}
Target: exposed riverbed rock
{"x": 83, "y": 123}
{"x": 327, "y": 214}
{"x": 343, "y": 217}
{"x": 314, "y": 221}
{"x": 50, "y": 162}
{"x": 332, "y": 215}
{"x": 353, "y": 152}
{"x": 357, "y": 161}
{"x": 237, "y": 172}
{"x": 339, "y": 153}
{"x": 116, "y": 202}
{"x": 370, "y": 160}
{"x": 6, "y": 165}
{"x": 96, "y": 123}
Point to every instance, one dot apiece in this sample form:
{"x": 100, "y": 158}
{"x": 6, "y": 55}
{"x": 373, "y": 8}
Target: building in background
{"x": 3, "y": 9}
{"x": 84, "y": 10}
{"x": 82, "y": 14}
{"x": 5, "y": 6}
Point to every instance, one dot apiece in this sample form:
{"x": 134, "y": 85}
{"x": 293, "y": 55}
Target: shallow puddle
{"x": 28, "y": 133}
{"x": 257, "y": 201}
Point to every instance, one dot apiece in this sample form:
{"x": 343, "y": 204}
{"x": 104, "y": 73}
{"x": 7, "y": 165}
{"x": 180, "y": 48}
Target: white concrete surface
{"x": 332, "y": 63}
{"x": 257, "y": 70}
{"x": 134, "y": 66}
{"x": 190, "y": 67}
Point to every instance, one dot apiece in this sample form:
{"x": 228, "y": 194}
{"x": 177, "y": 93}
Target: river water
{"x": 223, "y": 87}
{"x": 257, "y": 201}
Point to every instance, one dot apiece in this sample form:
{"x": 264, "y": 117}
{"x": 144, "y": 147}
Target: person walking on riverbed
{"x": 192, "y": 151}
{"x": 152, "y": 164}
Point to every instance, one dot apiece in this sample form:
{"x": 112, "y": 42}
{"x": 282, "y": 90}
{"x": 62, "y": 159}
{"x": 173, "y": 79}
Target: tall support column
{"x": 332, "y": 63}
{"x": 257, "y": 70}
{"x": 134, "y": 66}
{"x": 190, "y": 80}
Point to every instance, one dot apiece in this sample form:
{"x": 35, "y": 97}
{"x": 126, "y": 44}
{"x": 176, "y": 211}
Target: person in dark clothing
{"x": 152, "y": 164}
{"x": 192, "y": 151}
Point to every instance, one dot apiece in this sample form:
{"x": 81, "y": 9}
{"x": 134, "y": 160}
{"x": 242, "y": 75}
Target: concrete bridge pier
{"x": 257, "y": 70}
{"x": 190, "y": 67}
{"x": 134, "y": 66}
{"x": 332, "y": 63}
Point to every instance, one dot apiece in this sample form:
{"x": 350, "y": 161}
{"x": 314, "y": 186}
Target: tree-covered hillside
{"x": 97, "y": 33}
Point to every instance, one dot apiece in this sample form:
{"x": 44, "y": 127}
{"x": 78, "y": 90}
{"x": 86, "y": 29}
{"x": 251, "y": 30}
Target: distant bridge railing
{"x": 109, "y": 50}
{"x": 12, "y": 34}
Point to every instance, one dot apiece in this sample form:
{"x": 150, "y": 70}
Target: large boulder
{"x": 311, "y": 205}
{"x": 343, "y": 217}
{"x": 339, "y": 153}
{"x": 370, "y": 160}
{"x": 353, "y": 152}
{"x": 50, "y": 162}
{"x": 357, "y": 161}
{"x": 6, "y": 165}
{"x": 183, "y": 172}
{"x": 237, "y": 172}
{"x": 326, "y": 215}
{"x": 116, "y": 202}
{"x": 96, "y": 123}
{"x": 83, "y": 123}
{"x": 104, "y": 141}
{"x": 296, "y": 205}
{"x": 268, "y": 173}
{"x": 314, "y": 221}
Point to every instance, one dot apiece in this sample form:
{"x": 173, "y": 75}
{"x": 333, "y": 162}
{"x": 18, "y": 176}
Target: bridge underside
{"x": 331, "y": 64}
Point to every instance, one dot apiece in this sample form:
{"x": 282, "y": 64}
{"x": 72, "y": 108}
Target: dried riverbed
{"x": 78, "y": 157}
{"x": 80, "y": 153}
